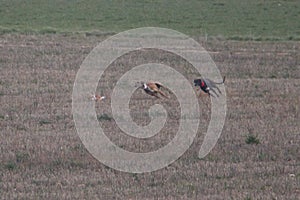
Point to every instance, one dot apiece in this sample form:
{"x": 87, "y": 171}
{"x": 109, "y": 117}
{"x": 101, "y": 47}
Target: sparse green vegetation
{"x": 248, "y": 198}
{"x": 252, "y": 139}
{"x": 10, "y": 165}
{"x": 22, "y": 157}
{"x": 104, "y": 117}
{"x": 44, "y": 122}
{"x": 232, "y": 19}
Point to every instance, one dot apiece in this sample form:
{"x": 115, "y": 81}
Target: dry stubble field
{"x": 42, "y": 156}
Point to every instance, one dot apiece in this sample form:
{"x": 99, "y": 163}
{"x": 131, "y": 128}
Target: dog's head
{"x": 197, "y": 82}
{"x": 140, "y": 84}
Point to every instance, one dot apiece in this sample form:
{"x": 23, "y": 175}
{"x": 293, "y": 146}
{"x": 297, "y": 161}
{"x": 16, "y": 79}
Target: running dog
{"x": 208, "y": 85}
{"x": 152, "y": 88}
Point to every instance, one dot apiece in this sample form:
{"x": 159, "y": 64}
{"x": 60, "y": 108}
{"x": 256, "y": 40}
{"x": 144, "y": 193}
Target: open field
{"x": 42, "y": 156}
{"x": 231, "y": 19}
{"x": 254, "y": 43}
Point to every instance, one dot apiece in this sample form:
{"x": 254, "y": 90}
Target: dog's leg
{"x": 210, "y": 94}
{"x": 156, "y": 95}
{"x": 163, "y": 94}
{"x": 199, "y": 94}
{"x": 218, "y": 89}
{"x": 214, "y": 92}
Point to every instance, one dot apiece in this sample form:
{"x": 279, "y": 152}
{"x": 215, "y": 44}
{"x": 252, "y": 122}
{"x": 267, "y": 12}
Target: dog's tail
{"x": 222, "y": 81}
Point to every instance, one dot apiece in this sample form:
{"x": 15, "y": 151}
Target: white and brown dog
{"x": 152, "y": 88}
